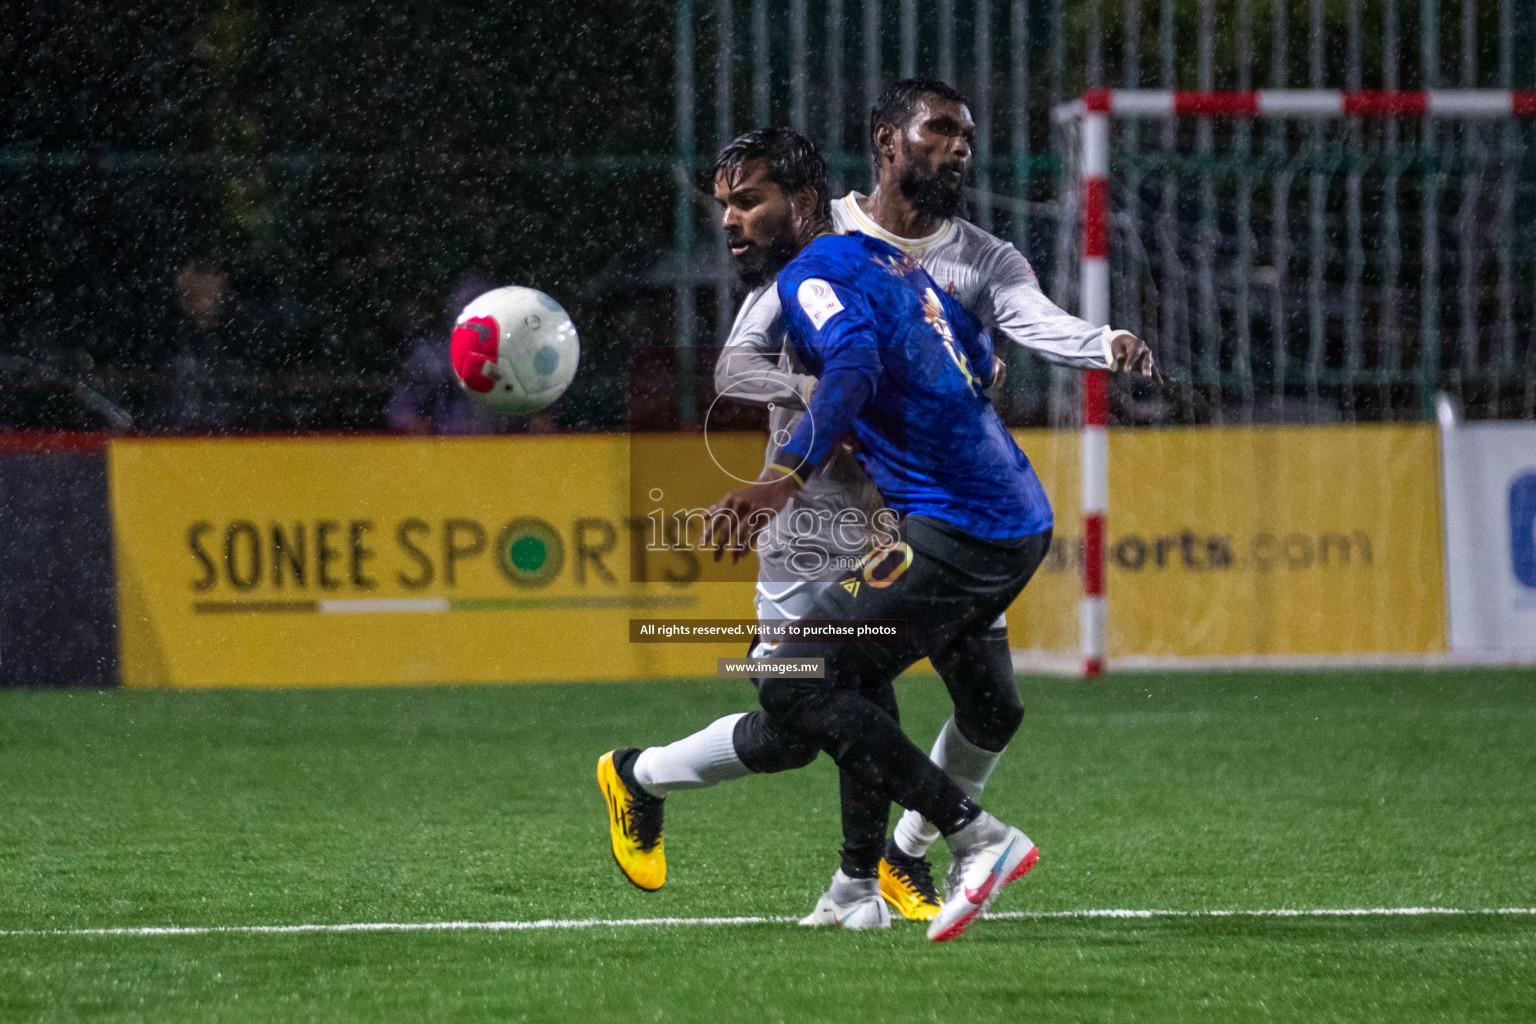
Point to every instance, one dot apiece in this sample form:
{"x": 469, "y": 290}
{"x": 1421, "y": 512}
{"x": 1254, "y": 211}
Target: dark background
{"x": 257, "y": 216}
{"x": 335, "y": 168}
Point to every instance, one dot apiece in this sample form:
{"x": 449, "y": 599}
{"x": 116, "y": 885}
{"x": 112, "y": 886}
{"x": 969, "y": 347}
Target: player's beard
{"x": 930, "y": 191}
{"x": 762, "y": 261}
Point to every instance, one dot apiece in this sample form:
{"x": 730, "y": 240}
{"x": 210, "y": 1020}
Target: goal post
{"x": 1314, "y": 328}
{"x": 1095, "y": 309}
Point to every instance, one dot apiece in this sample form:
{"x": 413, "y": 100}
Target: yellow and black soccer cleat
{"x": 634, "y": 826}
{"x": 907, "y": 885}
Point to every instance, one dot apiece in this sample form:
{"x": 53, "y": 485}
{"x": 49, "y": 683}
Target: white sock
{"x": 693, "y": 762}
{"x": 963, "y": 761}
{"x": 847, "y": 890}
{"x": 985, "y": 829}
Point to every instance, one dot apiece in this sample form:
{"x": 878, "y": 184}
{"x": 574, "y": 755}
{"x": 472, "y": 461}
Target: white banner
{"x": 1490, "y": 538}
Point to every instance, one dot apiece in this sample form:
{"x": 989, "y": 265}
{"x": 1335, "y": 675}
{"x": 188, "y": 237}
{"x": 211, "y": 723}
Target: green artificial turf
{"x": 1192, "y": 792}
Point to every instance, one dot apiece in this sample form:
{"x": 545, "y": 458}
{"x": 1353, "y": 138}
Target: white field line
{"x": 554, "y": 924}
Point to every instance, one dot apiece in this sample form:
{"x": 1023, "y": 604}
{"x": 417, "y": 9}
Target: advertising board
{"x": 1490, "y": 549}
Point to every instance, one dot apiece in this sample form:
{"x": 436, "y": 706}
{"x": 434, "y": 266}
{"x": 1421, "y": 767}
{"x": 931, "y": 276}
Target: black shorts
{"x": 944, "y": 583}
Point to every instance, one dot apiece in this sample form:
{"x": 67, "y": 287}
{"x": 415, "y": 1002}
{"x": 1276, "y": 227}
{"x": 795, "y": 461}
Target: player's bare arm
{"x": 741, "y": 515}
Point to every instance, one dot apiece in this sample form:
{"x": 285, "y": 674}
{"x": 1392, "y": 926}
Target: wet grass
{"x": 1188, "y": 792}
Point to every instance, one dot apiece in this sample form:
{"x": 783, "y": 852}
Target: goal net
{"x": 1300, "y": 262}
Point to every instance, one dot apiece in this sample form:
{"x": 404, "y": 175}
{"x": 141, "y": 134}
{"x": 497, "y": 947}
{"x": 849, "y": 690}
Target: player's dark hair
{"x": 793, "y": 163}
{"x": 898, "y": 103}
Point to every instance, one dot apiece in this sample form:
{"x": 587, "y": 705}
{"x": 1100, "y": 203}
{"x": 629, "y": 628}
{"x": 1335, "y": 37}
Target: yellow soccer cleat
{"x": 634, "y": 826}
{"x": 907, "y": 885}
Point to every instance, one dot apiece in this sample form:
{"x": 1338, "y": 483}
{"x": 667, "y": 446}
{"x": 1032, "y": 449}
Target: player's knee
{"x": 764, "y": 748}
{"x": 992, "y": 724}
{"x": 796, "y": 754}
{"x": 802, "y": 715}
{"x": 784, "y": 699}
{"x": 1008, "y": 716}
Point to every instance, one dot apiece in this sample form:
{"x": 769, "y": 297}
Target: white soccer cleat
{"x": 865, "y": 911}
{"x": 977, "y": 876}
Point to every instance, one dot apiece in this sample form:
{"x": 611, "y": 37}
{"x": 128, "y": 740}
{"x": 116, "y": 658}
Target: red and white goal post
{"x": 1091, "y": 117}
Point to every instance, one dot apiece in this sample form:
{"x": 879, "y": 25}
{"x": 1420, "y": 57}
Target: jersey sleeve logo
{"x": 818, "y": 300}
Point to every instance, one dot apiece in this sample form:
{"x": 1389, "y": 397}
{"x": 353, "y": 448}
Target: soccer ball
{"x": 514, "y": 350}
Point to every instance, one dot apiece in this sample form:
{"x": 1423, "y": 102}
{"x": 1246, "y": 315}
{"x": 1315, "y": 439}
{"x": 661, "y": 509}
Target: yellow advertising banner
{"x": 1228, "y": 542}
{"x": 403, "y": 560}
{"x": 414, "y": 560}
{"x": 1045, "y": 616}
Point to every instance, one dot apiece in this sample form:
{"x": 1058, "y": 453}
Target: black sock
{"x": 624, "y": 763}
{"x": 969, "y": 811}
{"x": 856, "y": 867}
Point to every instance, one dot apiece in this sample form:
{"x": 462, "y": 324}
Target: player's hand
{"x": 1132, "y": 355}
{"x": 999, "y": 374}
{"x": 736, "y": 519}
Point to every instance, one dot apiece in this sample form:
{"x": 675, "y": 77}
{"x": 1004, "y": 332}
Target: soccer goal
{"x": 1295, "y": 257}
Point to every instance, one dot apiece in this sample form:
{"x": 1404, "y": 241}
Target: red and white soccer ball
{"x": 514, "y": 350}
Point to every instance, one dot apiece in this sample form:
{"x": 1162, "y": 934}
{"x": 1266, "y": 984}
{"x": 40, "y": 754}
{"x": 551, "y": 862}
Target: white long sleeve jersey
{"x": 990, "y": 278}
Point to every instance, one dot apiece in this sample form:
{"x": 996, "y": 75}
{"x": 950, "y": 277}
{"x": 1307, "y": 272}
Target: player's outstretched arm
{"x": 748, "y": 369}
{"x": 1013, "y": 300}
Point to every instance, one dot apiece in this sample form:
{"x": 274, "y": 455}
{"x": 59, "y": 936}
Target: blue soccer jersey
{"x": 904, "y": 367}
